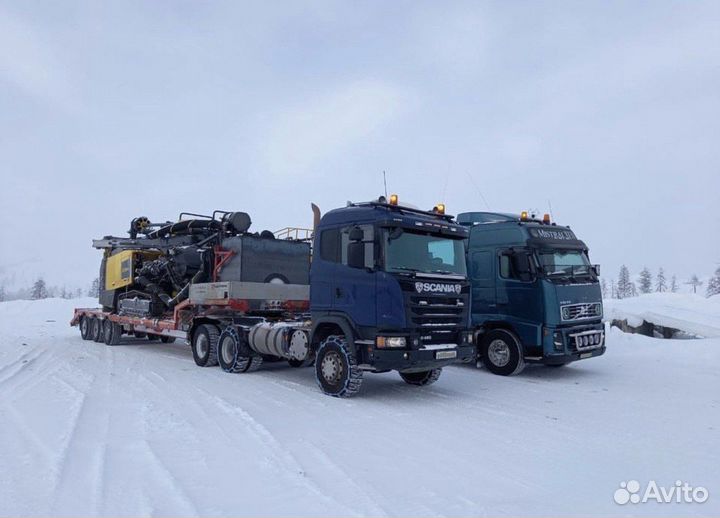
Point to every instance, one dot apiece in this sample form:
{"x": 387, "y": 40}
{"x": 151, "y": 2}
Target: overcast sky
{"x": 610, "y": 111}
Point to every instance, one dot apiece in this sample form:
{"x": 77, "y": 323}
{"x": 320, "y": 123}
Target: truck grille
{"x": 581, "y": 311}
{"x": 438, "y": 319}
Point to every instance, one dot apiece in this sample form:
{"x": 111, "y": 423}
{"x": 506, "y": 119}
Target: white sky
{"x": 110, "y": 110}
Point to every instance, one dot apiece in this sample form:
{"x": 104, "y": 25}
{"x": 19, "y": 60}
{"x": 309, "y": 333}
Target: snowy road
{"x": 138, "y": 429}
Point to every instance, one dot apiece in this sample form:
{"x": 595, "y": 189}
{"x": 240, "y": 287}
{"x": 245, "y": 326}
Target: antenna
{"x": 472, "y": 180}
{"x": 551, "y": 212}
{"x": 385, "y": 183}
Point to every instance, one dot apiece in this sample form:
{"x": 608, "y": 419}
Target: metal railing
{"x": 294, "y": 233}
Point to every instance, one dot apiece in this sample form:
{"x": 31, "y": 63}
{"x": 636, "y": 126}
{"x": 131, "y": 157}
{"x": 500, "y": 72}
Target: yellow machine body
{"x": 120, "y": 267}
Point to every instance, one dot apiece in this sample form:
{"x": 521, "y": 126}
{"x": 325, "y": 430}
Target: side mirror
{"x": 356, "y": 253}
{"x": 596, "y": 269}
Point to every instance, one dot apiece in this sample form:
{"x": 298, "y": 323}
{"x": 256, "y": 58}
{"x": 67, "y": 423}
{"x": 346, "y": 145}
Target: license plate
{"x": 586, "y": 355}
{"x": 445, "y": 355}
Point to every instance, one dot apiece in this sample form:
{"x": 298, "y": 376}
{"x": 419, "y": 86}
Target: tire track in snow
{"x": 82, "y": 461}
{"x": 281, "y": 455}
{"x": 170, "y": 482}
{"x": 338, "y": 480}
{"x": 9, "y": 371}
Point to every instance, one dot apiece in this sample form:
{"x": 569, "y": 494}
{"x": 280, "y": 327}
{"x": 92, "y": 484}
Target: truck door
{"x": 354, "y": 288}
{"x": 519, "y": 297}
{"x": 322, "y": 270}
{"x": 482, "y": 279}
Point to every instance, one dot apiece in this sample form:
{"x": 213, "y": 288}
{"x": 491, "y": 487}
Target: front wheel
{"x": 421, "y": 378}
{"x": 204, "y": 345}
{"x": 336, "y": 368}
{"x": 502, "y": 353}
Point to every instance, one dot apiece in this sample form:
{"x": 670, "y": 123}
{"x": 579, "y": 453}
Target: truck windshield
{"x": 564, "y": 263}
{"x": 416, "y": 252}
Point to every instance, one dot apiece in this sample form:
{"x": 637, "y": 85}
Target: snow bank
{"x": 685, "y": 311}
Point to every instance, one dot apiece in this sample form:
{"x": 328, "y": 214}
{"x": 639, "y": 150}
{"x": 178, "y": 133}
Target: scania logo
{"x": 435, "y": 287}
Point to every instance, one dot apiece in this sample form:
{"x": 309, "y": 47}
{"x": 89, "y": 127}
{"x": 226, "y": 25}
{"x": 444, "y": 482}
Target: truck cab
{"x": 388, "y": 291}
{"x": 535, "y": 295}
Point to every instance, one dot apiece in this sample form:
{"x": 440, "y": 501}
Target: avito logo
{"x": 679, "y": 493}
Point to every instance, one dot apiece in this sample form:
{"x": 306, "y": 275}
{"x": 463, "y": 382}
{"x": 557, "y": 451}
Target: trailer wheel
{"x": 502, "y": 353}
{"x": 85, "y": 328}
{"x": 233, "y": 353}
{"x": 167, "y": 339}
{"x": 421, "y": 379}
{"x": 111, "y": 332}
{"x": 140, "y": 334}
{"x": 96, "y": 329}
{"x": 336, "y": 368}
{"x": 204, "y": 345}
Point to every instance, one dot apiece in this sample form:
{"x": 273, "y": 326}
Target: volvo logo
{"x": 436, "y": 287}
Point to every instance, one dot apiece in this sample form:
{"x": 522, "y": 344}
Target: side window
{"x": 481, "y": 266}
{"x": 329, "y": 244}
{"x": 517, "y": 266}
{"x": 368, "y": 239}
{"x": 505, "y": 266}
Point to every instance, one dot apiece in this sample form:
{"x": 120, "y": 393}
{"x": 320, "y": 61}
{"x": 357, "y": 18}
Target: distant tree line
{"x": 624, "y": 286}
{"x": 41, "y": 290}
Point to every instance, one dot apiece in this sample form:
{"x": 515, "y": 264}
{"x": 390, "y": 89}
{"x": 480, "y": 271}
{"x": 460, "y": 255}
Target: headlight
{"x": 390, "y": 342}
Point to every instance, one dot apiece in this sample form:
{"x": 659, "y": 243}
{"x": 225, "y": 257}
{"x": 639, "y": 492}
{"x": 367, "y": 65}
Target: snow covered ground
{"x": 138, "y": 429}
{"x": 692, "y": 313}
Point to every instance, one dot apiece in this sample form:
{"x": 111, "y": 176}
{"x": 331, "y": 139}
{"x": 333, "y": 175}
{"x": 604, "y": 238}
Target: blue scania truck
{"x": 535, "y": 296}
{"x": 388, "y": 291}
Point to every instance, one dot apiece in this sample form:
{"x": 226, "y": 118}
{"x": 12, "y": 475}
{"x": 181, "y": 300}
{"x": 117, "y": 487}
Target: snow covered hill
{"x": 138, "y": 429}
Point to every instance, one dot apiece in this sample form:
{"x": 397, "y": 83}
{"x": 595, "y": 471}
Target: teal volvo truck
{"x": 535, "y": 296}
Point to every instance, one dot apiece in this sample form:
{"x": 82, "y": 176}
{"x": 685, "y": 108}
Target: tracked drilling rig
{"x": 151, "y": 271}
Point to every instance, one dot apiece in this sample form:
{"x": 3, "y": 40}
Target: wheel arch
{"x": 329, "y": 325}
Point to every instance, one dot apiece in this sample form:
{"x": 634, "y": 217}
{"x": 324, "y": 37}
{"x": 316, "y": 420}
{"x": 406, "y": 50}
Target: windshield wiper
{"x": 405, "y": 268}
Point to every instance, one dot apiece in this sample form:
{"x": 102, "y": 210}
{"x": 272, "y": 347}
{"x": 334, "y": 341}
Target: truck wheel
{"x": 421, "y": 378}
{"x": 501, "y": 353}
{"x": 336, "y": 368}
{"x": 111, "y": 332}
{"x": 167, "y": 339}
{"x": 255, "y": 363}
{"x": 233, "y": 353}
{"x": 85, "y": 328}
{"x": 204, "y": 345}
{"x": 96, "y": 327}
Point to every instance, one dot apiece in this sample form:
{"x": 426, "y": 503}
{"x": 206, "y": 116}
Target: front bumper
{"x": 415, "y": 360}
{"x": 568, "y": 344}
{"x": 560, "y": 359}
